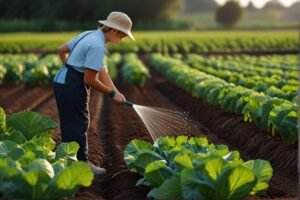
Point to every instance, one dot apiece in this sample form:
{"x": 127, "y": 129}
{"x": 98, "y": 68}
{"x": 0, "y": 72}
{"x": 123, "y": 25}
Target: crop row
{"x": 286, "y": 62}
{"x": 30, "y": 168}
{"x": 273, "y": 82}
{"x": 278, "y": 116}
{"x": 192, "y": 168}
{"x": 28, "y": 68}
{"x": 133, "y": 70}
{"x": 33, "y": 70}
{"x": 196, "y": 43}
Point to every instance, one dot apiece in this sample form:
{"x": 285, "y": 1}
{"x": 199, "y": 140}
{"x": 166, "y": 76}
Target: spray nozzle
{"x": 128, "y": 103}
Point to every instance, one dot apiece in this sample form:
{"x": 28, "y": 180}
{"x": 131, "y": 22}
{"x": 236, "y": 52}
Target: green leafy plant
{"x": 29, "y": 166}
{"x": 192, "y": 168}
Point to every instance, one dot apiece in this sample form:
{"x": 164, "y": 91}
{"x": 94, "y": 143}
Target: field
{"x": 181, "y": 42}
{"x": 112, "y": 126}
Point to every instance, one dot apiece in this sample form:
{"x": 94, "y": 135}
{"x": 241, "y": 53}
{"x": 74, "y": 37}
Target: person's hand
{"x": 119, "y": 98}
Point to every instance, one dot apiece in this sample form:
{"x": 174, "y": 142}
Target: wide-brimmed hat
{"x": 119, "y": 21}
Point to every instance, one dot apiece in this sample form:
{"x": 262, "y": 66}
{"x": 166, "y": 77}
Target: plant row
{"x": 33, "y": 70}
{"x": 284, "y": 66}
{"x": 283, "y": 62}
{"x": 31, "y": 166}
{"x": 112, "y": 63}
{"x": 133, "y": 71}
{"x": 166, "y": 42}
{"x": 192, "y": 169}
{"x": 277, "y": 116}
{"x": 28, "y": 68}
{"x": 273, "y": 82}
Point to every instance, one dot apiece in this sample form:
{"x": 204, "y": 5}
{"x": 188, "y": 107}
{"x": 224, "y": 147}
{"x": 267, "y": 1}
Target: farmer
{"x": 83, "y": 69}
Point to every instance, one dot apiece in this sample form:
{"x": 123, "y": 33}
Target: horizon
{"x": 260, "y": 3}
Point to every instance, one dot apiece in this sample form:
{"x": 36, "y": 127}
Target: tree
{"x": 229, "y": 14}
{"x": 28, "y": 9}
{"x": 273, "y": 5}
{"x": 250, "y": 7}
{"x": 148, "y": 10}
{"x": 88, "y": 10}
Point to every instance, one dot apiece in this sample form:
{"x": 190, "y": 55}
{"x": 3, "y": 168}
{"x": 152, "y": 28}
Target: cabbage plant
{"x": 30, "y": 165}
{"x": 192, "y": 168}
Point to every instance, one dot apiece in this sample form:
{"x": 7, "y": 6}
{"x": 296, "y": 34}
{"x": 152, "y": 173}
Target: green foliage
{"x": 278, "y": 78}
{"x": 2, "y": 73}
{"x": 261, "y": 115}
{"x": 38, "y": 74}
{"x": 191, "y": 168}
{"x": 283, "y": 119}
{"x": 30, "y": 123}
{"x": 87, "y": 10}
{"x": 258, "y": 107}
{"x": 67, "y": 150}
{"x": 177, "y": 42}
{"x": 29, "y": 168}
{"x": 133, "y": 149}
{"x": 113, "y": 62}
{"x": 2, "y": 121}
{"x": 229, "y": 14}
{"x": 263, "y": 171}
{"x": 29, "y": 69}
{"x": 134, "y": 71}
{"x": 170, "y": 189}
{"x": 14, "y": 73}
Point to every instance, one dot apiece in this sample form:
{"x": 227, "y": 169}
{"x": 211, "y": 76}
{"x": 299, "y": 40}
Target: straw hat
{"x": 119, "y": 21}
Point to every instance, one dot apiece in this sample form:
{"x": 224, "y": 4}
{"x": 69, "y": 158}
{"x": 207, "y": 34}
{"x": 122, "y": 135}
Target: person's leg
{"x": 74, "y": 117}
{"x": 73, "y": 106}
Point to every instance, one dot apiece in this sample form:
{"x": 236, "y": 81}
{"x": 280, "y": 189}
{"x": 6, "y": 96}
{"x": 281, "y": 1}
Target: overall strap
{"x": 76, "y": 44}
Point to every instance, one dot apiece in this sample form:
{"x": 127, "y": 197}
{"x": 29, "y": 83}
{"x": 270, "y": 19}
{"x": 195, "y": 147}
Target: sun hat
{"x": 119, "y": 21}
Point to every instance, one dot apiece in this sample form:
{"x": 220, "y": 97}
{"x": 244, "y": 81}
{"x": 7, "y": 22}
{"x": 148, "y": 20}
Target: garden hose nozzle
{"x": 128, "y": 103}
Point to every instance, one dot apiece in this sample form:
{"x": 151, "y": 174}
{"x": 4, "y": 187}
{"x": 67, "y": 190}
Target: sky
{"x": 260, "y": 3}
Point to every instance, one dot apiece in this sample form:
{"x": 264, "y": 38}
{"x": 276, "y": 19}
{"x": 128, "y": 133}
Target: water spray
{"x": 163, "y": 122}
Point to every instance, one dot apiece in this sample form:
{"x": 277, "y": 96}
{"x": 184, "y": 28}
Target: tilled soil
{"x": 113, "y": 126}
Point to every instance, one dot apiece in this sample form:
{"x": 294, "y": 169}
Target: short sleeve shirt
{"x": 89, "y": 52}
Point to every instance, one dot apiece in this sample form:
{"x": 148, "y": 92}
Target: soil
{"x": 113, "y": 126}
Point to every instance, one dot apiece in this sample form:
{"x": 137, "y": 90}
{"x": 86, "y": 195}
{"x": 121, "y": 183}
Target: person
{"x": 84, "y": 69}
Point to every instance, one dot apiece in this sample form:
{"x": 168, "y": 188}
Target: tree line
{"x": 88, "y": 10}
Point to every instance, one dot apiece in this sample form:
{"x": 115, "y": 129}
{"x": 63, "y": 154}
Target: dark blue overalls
{"x": 72, "y": 99}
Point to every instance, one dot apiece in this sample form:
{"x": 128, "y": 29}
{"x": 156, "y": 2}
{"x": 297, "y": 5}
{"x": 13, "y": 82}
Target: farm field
{"x": 173, "y": 42}
{"x": 161, "y": 82}
{"x": 121, "y": 124}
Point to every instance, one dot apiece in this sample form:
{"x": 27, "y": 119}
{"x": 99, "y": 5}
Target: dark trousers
{"x": 72, "y": 103}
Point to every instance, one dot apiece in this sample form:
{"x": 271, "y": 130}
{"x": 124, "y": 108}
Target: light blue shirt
{"x": 88, "y": 53}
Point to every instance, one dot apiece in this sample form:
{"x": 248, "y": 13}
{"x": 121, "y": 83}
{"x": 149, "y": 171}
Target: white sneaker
{"x": 98, "y": 171}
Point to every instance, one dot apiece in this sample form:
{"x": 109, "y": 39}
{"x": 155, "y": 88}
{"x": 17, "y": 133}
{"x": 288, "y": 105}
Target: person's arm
{"x": 90, "y": 79}
{"x": 62, "y": 51}
{"x": 105, "y": 78}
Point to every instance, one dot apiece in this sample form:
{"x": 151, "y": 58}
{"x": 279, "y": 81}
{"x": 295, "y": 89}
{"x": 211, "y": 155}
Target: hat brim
{"x": 118, "y": 27}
